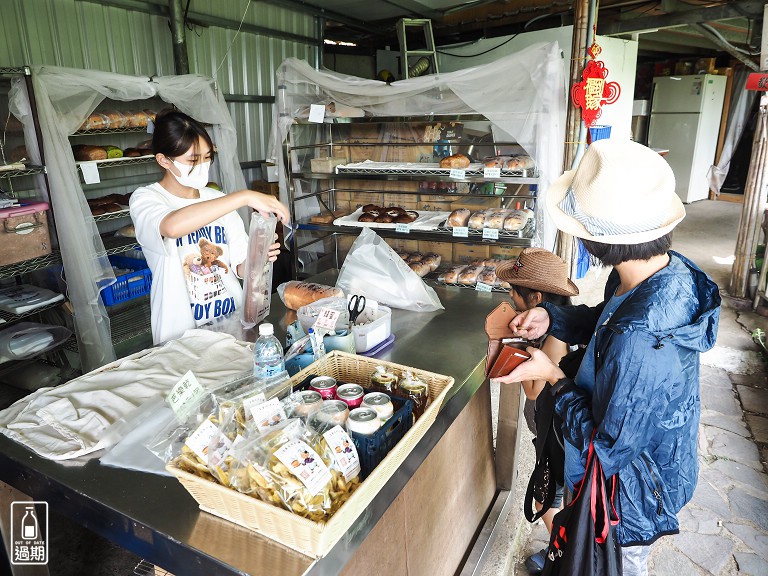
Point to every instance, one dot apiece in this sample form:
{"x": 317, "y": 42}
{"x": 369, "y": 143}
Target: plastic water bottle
{"x": 268, "y": 362}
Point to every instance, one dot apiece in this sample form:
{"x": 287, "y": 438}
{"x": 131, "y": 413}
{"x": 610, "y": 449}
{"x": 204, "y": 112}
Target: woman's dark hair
{"x": 557, "y": 299}
{"x": 613, "y": 254}
{"x": 175, "y": 133}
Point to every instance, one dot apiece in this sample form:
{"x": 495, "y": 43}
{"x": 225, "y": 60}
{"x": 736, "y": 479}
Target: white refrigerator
{"x": 685, "y": 119}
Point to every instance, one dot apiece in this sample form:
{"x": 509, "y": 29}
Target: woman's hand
{"x": 274, "y": 250}
{"x": 538, "y": 367}
{"x": 531, "y": 324}
{"x": 265, "y": 205}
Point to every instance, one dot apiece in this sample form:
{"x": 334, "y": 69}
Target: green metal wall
{"x": 132, "y": 37}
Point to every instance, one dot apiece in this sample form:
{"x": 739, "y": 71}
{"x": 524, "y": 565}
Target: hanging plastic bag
{"x": 372, "y": 269}
{"x": 257, "y": 281}
{"x": 28, "y": 339}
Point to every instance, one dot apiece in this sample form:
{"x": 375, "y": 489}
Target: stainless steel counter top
{"x": 157, "y": 519}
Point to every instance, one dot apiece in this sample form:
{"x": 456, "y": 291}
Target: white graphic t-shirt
{"x": 193, "y": 277}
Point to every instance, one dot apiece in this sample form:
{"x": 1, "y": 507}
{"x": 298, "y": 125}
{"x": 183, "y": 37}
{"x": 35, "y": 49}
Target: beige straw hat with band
{"x": 621, "y": 193}
{"x": 538, "y": 269}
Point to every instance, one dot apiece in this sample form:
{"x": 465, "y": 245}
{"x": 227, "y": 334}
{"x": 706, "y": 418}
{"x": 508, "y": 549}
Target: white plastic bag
{"x": 372, "y": 269}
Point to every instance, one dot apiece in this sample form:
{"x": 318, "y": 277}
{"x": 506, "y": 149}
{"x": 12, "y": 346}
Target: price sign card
{"x": 185, "y": 394}
{"x": 327, "y": 319}
{"x": 491, "y": 172}
{"x": 461, "y": 232}
{"x": 490, "y": 234}
{"x": 482, "y": 287}
{"x": 150, "y": 126}
{"x": 403, "y": 228}
{"x": 316, "y": 113}
{"x": 90, "y": 172}
{"x": 458, "y": 173}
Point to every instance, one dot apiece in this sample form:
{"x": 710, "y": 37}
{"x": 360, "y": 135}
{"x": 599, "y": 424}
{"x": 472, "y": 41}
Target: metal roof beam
{"x": 416, "y": 8}
{"x": 741, "y": 8}
{"x": 307, "y": 8}
{"x": 727, "y": 47}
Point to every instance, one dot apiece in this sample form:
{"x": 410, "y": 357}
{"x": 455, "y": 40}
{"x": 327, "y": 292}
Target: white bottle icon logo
{"x": 29, "y": 524}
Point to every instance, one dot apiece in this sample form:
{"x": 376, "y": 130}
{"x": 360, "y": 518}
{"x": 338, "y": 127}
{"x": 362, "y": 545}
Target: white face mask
{"x": 197, "y": 178}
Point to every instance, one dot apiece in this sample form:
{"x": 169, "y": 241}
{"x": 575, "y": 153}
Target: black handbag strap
{"x": 545, "y": 420}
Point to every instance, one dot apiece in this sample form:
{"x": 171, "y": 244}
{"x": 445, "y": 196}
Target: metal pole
{"x": 176, "y": 20}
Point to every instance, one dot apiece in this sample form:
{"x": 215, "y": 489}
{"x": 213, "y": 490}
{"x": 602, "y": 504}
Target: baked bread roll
{"x": 451, "y": 276}
{"x": 530, "y": 213}
{"x": 487, "y": 276}
{"x": 469, "y": 275}
{"x": 495, "y": 219}
{"x": 403, "y": 254}
{"x": 432, "y": 260}
{"x": 366, "y": 217}
{"x": 496, "y": 162}
{"x": 86, "y": 152}
{"x": 455, "y": 161}
{"x": 384, "y": 219}
{"x": 127, "y": 231}
{"x": 458, "y": 218}
{"x": 104, "y": 200}
{"x": 415, "y": 257}
{"x": 371, "y": 208}
{"x": 520, "y": 163}
{"x": 132, "y": 153}
{"x": 298, "y": 294}
{"x": 403, "y": 219}
{"x": 112, "y": 207}
{"x": 420, "y": 268}
{"x": 515, "y": 221}
{"x": 395, "y": 211}
{"x": 98, "y": 210}
{"x": 476, "y": 221}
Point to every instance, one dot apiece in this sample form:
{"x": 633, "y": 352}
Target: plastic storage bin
{"x": 130, "y": 285}
{"x": 24, "y": 233}
{"x": 373, "y": 333}
{"x": 599, "y": 133}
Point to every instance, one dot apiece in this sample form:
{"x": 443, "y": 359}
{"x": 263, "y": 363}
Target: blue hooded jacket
{"x": 645, "y": 403}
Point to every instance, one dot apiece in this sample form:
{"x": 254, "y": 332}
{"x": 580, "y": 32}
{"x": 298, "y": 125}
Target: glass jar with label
{"x": 383, "y": 381}
{"x": 411, "y": 386}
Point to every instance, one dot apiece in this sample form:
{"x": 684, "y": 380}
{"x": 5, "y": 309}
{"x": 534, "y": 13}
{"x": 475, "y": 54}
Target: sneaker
{"x": 535, "y": 562}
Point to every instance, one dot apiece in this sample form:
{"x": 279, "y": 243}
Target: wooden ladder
{"x": 417, "y": 62}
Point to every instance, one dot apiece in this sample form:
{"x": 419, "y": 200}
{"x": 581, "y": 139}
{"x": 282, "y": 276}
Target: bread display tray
{"x": 427, "y": 220}
{"x": 421, "y": 169}
{"x": 315, "y": 539}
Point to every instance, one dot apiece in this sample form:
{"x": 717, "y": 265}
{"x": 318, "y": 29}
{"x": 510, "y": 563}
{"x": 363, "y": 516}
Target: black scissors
{"x": 355, "y": 307}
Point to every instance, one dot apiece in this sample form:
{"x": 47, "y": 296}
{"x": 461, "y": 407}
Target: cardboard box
{"x": 504, "y": 252}
{"x": 465, "y": 253}
{"x": 269, "y": 171}
{"x": 475, "y": 204}
{"x": 272, "y": 188}
{"x": 684, "y": 67}
{"x": 443, "y": 249}
{"x": 428, "y": 204}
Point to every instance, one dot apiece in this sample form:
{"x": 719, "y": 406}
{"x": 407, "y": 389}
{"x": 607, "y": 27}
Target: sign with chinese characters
{"x": 593, "y": 92}
{"x": 28, "y": 537}
{"x": 757, "y": 81}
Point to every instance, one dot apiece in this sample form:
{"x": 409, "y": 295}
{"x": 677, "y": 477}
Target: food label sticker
{"x": 491, "y": 172}
{"x": 403, "y": 228}
{"x": 327, "y": 319}
{"x": 344, "y": 452}
{"x": 251, "y": 402}
{"x": 316, "y": 113}
{"x": 483, "y": 287}
{"x": 457, "y": 173}
{"x": 490, "y": 234}
{"x": 268, "y": 414}
{"x": 219, "y": 447}
{"x": 90, "y": 172}
{"x": 185, "y": 394}
{"x": 305, "y": 464}
{"x": 200, "y": 440}
{"x": 150, "y": 126}
{"x": 461, "y": 231}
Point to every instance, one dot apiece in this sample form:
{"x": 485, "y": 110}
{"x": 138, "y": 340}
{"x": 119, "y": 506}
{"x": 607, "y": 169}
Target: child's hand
{"x": 531, "y": 324}
{"x": 274, "y": 251}
{"x": 265, "y": 205}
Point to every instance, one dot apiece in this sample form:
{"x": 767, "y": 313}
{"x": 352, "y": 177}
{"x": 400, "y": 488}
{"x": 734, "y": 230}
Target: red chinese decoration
{"x": 593, "y": 91}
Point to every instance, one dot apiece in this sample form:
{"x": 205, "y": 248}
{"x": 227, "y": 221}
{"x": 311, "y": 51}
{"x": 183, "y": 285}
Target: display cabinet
{"x": 340, "y": 165}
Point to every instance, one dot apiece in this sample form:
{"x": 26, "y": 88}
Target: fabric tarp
{"x": 523, "y": 95}
{"x": 65, "y": 97}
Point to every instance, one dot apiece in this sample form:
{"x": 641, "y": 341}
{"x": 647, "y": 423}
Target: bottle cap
{"x": 266, "y": 329}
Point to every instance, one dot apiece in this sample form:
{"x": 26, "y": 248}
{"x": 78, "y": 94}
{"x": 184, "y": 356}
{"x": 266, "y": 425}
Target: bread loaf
{"x": 451, "y": 276}
{"x": 85, "y": 152}
{"x": 298, "y": 294}
{"x": 469, "y": 275}
{"x": 455, "y": 161}
{"x": 415, "y": 257}
{"x": 496, "y": 162}
{"x": 96, "y": 121}
{"x": 520, "y": 163}
{"x": 487, "y": 276}
{"x": 137, "y": 119}
{"x": 132, "y": 153}
{"x": 476, "y": 220}
{"x": 116, "y": 119}
{"x": 420, "y": 268}
{"x": 458, "y": 218}
{"x": 432, "y": 260}
{"x": 515, "y": 221}
{"x": 495, "y": 219}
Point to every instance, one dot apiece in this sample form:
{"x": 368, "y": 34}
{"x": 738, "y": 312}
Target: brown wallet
{"x": 503, "y": 357}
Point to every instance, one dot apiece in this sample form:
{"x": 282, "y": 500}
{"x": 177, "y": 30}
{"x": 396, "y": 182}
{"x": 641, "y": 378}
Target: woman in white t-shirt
{"x": 194, "y": 241}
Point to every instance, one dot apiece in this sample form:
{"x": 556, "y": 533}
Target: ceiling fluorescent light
{"x": 338, "y": 42}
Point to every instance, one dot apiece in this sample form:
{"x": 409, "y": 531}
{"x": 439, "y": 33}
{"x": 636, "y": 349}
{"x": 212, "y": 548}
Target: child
{"x": 180, "y": 221}
{"x": 539, "y": 276}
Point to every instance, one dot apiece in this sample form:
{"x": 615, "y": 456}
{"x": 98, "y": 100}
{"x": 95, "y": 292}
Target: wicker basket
{"x": 317, "y": 538}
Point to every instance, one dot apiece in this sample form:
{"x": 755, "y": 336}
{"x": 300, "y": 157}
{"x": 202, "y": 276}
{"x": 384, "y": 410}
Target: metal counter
{"x": 157, "y": 519}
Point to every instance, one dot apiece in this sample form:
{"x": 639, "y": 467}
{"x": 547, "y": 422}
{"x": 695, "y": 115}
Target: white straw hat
{"x": 621, "y": 193}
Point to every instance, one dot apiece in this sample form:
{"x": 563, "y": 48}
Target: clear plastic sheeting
{"x": 65, "y": 97}
{"x": 523, "y": 96}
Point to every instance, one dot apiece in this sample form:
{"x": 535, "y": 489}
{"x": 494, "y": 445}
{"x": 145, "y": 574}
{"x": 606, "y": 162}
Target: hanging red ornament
{"x": 593, "y": 92}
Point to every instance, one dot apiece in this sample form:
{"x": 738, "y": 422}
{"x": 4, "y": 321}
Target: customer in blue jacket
{"x": 638, "y": 385}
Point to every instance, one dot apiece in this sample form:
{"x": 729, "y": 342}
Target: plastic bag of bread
{"x": 488, "y": 276}
{"x": 137, "y": 119}
{"x": 515, "y": 220}
{"x": 495, "y": 219}
{"x": 421, "y": 268}
{"x": 455, "y": 161}
{"x": 469, "y": 275}
{"x": 86, "y": 152}
{"x": 477, "y": 220}
{"x": 116, "y": 119}
{"x": 458, "y": 218}
{"x": 451, "y": 276}
{"x": 96, "y": 121}
{"x": 518, "y": 163}
{"x": 296, "y": 294}
{"x": 257, "y": 279}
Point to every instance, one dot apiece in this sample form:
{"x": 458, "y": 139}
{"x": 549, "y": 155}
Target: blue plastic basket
{"x": 130, "y": 285}
{"x": 599, "y": 133}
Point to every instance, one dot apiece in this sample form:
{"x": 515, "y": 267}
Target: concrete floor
{"x": 724, "y": 529}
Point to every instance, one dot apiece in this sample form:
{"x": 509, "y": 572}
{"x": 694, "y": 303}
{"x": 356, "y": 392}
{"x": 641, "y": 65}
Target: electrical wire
{"x": 710, "y": 29}
{"x": 507, "y": 41}
{"x": 229, "y": 48}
